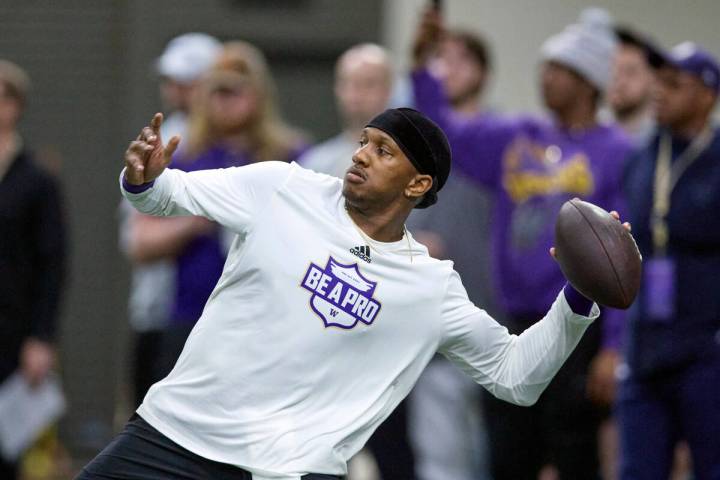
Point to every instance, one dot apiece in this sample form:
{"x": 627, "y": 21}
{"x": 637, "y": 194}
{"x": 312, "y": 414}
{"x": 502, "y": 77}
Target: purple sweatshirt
{"x": 533, "y": 166}
{"x": 201, "y": 262}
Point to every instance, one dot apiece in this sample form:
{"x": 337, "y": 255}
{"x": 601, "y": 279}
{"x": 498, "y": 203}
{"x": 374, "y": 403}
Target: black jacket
{"x": 32, "y": 257}
{"x": 694, "y": 245}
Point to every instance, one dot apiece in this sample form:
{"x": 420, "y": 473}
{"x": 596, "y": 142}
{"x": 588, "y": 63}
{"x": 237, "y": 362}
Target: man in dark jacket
{"x": 671, "y": 386}
{"x": 32, "y": 249}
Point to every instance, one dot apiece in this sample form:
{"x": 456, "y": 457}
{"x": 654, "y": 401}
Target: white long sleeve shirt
{"x": 314, "y": 333}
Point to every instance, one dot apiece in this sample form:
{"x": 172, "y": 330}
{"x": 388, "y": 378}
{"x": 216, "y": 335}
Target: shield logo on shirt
{"x": 341, "y": 295}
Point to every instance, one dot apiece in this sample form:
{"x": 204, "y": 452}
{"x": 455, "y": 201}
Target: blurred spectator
{"x": 630, "y": 92}
{"x": 185, "y": 59}
{"x": 462, "y": 64}
{"x": 233, "y": 121}
{"x": 532, "y": 166}
{"x": 235, "y": 115}
{"x": 671, "y": 386}
{"x": 363, "y": 83}
{"x": 447, "y": 434}
{"x": 32, "y": 248}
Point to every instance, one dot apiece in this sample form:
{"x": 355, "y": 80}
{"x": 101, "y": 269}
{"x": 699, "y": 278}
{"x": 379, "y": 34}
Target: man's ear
{"x": 418, "y": 186}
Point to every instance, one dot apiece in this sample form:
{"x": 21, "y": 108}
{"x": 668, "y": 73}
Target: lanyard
{"x": 667, "y": 175}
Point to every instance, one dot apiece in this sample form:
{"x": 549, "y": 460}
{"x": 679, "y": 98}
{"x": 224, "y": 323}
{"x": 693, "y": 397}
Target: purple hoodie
{"x": 533, "y": 166}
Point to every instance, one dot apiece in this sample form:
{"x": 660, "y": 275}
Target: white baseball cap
{"x": 188, "y": 56}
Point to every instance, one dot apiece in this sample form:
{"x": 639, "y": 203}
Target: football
{"x": 597, "y": 255}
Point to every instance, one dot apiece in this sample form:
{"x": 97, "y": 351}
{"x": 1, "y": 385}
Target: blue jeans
{"x": 654, "y": 414}
{"x": 141, "y": 452}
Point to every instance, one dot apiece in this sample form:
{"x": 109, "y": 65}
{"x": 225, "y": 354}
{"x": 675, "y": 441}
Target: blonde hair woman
{"x": 235, "y": 109}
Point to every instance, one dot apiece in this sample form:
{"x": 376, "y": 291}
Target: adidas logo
{"x": 362, "y": 252}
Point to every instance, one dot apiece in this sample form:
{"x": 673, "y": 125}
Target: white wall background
{"x": 517, "y": 28}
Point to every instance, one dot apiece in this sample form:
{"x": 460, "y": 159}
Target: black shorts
{"x": 141, "y": 452}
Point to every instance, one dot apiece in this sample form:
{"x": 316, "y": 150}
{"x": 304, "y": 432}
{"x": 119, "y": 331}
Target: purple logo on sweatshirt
{"x": 342, "y": 297}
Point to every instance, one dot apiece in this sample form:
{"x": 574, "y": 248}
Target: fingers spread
{"x": 148, "y": 135}
{"x": 137, "y": 146}
{"x": 140, "y": 148}
{"x": 134, "y": 171}
{"x": 135, "y": 158}
{"x": 156, "y": 122}
{"x": 170, "y": 148}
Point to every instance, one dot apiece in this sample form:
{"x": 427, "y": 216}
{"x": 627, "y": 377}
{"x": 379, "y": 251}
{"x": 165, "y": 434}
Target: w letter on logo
{"x": 341, "y": 295}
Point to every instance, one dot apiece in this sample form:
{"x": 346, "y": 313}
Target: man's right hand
{"x": 427, "y": 37}
{"x": 147, "y": 157}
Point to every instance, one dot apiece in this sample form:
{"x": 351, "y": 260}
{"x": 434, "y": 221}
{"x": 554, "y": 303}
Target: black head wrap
{"x": 422, "y": 142}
